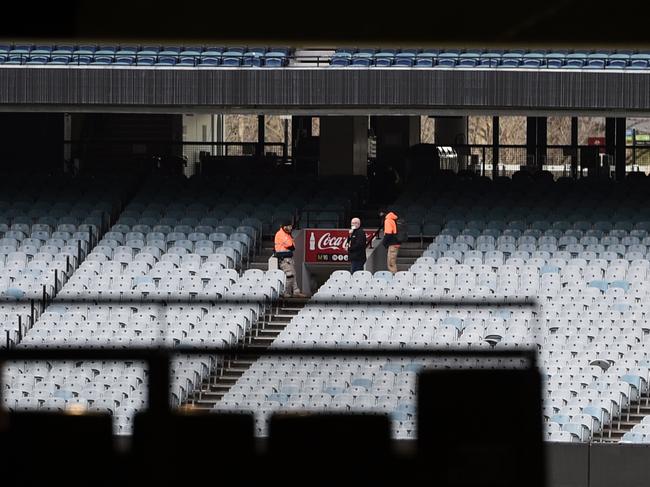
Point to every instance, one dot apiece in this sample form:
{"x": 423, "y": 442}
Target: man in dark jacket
{"x": 356, "y": 245}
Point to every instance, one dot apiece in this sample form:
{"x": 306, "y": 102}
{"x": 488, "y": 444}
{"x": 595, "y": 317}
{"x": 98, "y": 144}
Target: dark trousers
{"x": 356, "y": 265}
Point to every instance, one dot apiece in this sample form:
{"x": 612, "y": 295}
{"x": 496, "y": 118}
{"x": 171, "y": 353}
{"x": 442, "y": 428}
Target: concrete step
{"x": 219, "y": 383}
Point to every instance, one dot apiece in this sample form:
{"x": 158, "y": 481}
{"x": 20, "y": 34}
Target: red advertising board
{"x": 323, "y": 246}
{"x": 597, "y": 141}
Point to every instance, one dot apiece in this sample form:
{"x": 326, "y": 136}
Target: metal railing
{"x": 557, "y": 159}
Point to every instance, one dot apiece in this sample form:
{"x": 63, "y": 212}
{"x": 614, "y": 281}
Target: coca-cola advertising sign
{"x": 328, "y": 246}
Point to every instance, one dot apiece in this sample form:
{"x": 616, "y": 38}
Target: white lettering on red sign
{"x": 327, "y": 241}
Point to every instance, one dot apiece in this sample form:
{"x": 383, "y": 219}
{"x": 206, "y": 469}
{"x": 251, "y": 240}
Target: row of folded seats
{"x": 221, "y": 205}
{"x": 594, "y": 352}
{"x": 208, "y": 56}
{"x": 587, "y": 276}
{"x": 506, "y": 63}
{"x": 119, "y": 388}
{"x": 47, "y": 224}
{"x": 471, "y": 58}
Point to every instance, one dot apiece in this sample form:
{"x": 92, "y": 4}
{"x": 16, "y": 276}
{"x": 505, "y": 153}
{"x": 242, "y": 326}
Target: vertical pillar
{"x": 542, "y": 141}
{"x": 495, "y": 147}
{"x": 261, "y": 134}
{"x": 620, "y": 152}
{"x": 343, "y": 145}
{"x": 610, "y": 140}
{"x": 574, "y": 147}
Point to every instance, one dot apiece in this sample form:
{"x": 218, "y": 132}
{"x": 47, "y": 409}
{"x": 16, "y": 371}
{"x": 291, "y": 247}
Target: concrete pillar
{"x": 574, "y": 147}
{"x": 620, "y": 148}
{"x": 261, "y": 136}
{"x": 610, "y": 140}
{"x": 450, "y": 131}
{"x": 495, "y": 147}
{"x": 343, "y": 146}
{"x": 536, "y": 141}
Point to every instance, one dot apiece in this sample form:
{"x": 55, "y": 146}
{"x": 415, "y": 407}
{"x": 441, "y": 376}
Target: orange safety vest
{"x": 390, "y": 228}
{"x": 283, "y": 241}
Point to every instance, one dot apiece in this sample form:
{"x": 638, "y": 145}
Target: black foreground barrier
{"x": 476, "y": 428}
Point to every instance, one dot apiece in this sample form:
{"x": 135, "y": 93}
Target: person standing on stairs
{"x": 390, "y": 240}
{"x": 283, "y": 251}
{"x": 356, "y": 245}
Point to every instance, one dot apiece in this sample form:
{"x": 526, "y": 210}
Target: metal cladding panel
{"x": 326, "y": 88}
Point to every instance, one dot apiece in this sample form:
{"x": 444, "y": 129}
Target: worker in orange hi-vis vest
{"x": 283, "y": 250}
{"x": 390, "y": 240}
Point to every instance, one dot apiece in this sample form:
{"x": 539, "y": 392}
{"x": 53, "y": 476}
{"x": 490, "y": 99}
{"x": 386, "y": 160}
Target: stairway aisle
{"x": 630, "y": 417}
{"x": 409, "y": 253}
{"x": 259, "y": 338}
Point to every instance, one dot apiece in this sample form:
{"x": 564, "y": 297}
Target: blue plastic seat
{"x": 638, "y": 64}
{"x": 410, "y": 53}
{"x": 339, "y": 61}
{"x": 274, "y": 62}
{"x": 213, "y": 49}
{"x": 386, "y": 53}
{"x": 256, "y": 51}
{"x": 125, "y": 60}
{"x": 574, "y": 63}
{"x": 149, "y": 51}
{"x": 187, "y": 61}
{"x": 616, "y": 64}
{"x": 595, "y": 64}
{"x": 404, "y": 62}
{"x": 423, "y": 62}
{"x": 145, "y": 61}
{"x": 488, "y": 63}
{"x": 21, "y": 49}
{"x": 81, "y": 59}
{"x": 362, "y": 62}
{"x": 38, "y": 60}
{"x": 277, "y": 52}
{"x": 467, "y": 63}
{"x": 231, "y": 61}
{"x": 510, "y": 63}
{"x": 561, "y": 54}
{"x": 535, "y": 54}
{"x": 60, "y": 59}
{"x": 209, "y": 62}
{"x": 365, "y": 52}
{"x": 450, "y": 53}
{"x": 16, "y": 59}
{"x": 447, "y": 62}
{"x": 428, "y": 53}
{"x": 85, "y": 49}
{"x": 234, "y": 52}
{"x": 166, "y": 61}
{"x": 554, "y": 63}
{"x": 105, "y": 50}
{"x": 514, "y": 53}
{"x": 252, "y": 61}
{"x": 384, "y": 62}
{"x": 532, "y": 63}
{"x": 102, "y": 60}
{"x": 43, "y": 50}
